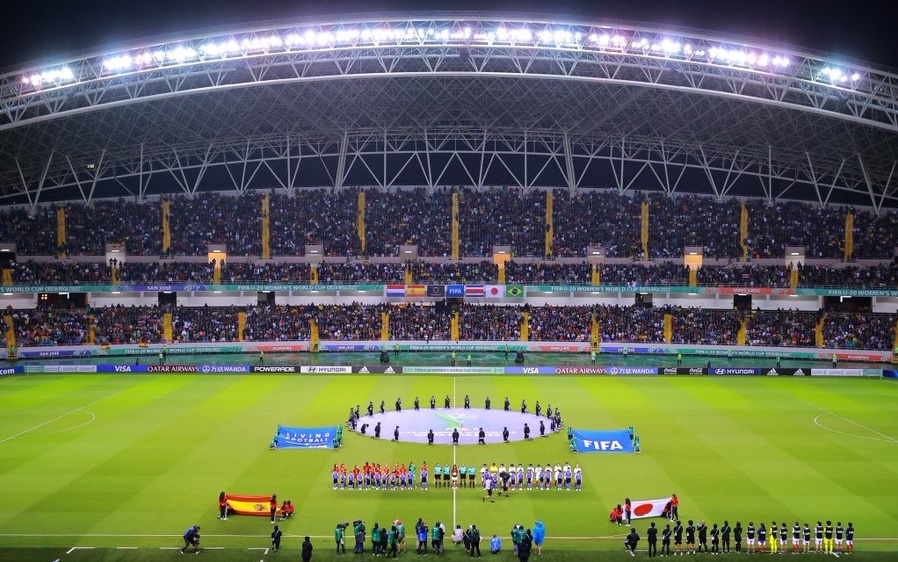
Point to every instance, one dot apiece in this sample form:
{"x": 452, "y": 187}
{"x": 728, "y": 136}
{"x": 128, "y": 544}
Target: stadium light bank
{"x": 613, "y": 40}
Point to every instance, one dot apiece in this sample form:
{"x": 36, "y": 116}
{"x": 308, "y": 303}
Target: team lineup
{"x": 493, "y": 477}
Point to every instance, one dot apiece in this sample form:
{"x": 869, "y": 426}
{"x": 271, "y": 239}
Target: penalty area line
{"x": 888, "y": 438}
{"x": 40, "y": 425}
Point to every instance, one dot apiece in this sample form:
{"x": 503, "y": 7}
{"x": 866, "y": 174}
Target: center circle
{"x": 414, "y": 425}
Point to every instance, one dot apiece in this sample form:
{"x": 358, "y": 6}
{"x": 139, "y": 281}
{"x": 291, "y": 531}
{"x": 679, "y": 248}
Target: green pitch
{"x": 132, "y": 460}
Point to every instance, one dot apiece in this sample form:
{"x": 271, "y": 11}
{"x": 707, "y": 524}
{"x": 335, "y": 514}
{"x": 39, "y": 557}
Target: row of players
{"x": 828, "y": 539}
{"x": 404, "y": 477}
{"x": 487, "y": 404}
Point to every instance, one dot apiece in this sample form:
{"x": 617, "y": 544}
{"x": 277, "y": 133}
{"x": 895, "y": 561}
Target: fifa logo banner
{"x": 615, "y": 441}
{"x": 306, "y": 437}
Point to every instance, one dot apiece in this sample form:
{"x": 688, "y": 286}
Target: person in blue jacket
{"x": 539, "y": 535}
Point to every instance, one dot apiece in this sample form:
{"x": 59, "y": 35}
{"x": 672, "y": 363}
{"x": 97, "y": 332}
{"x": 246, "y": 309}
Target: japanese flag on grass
{"x": 648, "y": 508}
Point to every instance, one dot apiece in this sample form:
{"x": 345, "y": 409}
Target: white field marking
{"x": 454, "y": 399}
{"x": 38, "y": 426}
{"x": 820, "y": 425}
{"x": 862, "y": 426}
{"x": 259, "y": 548}
{"x": 126, "y": 548}
{"x": 74, "y": 548}
{"x": 88, "y": 422}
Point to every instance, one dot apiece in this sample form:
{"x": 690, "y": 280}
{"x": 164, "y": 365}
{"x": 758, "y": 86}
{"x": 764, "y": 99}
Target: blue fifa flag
{"x": 455, "y": 291}
{"x": 306, "y": 437}
{"x": 612, "y": 441}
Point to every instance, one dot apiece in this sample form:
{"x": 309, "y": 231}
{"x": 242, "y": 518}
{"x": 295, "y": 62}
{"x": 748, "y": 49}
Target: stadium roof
{"x": 461, "y": 100}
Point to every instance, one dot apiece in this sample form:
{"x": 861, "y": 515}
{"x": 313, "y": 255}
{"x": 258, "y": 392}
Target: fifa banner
{"x": 306, "y": 437}
{"x": 250, "y": 505}
{"x": 614, "y": 441}
{"x": 648, "y": 508}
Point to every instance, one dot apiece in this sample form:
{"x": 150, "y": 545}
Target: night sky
{"x": 46, "y": 31}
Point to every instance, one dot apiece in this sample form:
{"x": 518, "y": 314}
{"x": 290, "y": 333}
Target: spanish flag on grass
{"x": 250, "y": 505}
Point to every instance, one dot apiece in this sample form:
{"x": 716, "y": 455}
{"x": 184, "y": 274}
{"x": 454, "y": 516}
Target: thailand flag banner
{"x": 474, "y": 291}
{"x": 306, "y": 437}
{"x": 613, "y": 441}
{"x": 648, "y": 508}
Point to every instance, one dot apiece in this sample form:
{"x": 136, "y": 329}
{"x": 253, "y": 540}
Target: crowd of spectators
{"x": 704, "y": 327}
{"x": 487, "y": 217}
{"x": 661, "y": 273}
{"x": 489, "y": 322}
{"x": 618, "y": 324}
{"x": 455, "y": 272}
{"x": 561, "y": 323}
{"x": 548, "y": 272}
{"x": 128, "y": 324}
{"x": 743, "y": 275}
{"x": 50, "y": 327}
{"x": 276, "y": 323}
{"x": 357, "y": 271}
{"x": 314, "y": 216}
{"x": 875, "y": 276}
{"x": 410, "y": 216}
{"x": 790, "y": 328}
{"x": 859, "y": 331}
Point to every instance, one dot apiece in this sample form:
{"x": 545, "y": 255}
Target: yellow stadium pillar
{"x": 645, "y": 230}
{"x": 793, "y": 277}
{"x": 456, "y": 228}
{"x": 501, "y": 279}
{"x": 360, "y": 220}
{"x": 167, "y": 327}
{"x": 409, "y": 276}
{"x": 313, "y": 274}
{"x": 166, "y": 225}
{"x": 693, "y": 277}
{"x": 91, "y": 330}
{"x": 668, "y": 328}
{"x": 742, "y": 333}
{"x": 594, "y": 332}
{"x": 114, "y": 275}
{"x": 454, "y": 330}
{"x": 241, "y": 325}
{"x": 818, "y": 333}
{"x": 525, "y": 326}
{"x": 266, "y": 228}
{"x": 596, "y": 275}
{"x": 895, "y": 345}
{"x": 384, "y": 326}
{"x": 216, "y": 273}
{"x": 849, "y": 236}
{"x": 60, "y": 232}
{"x": 314, "y": 338}
{"x": 12, "y": 350}
{"x": 743, "y": 231}
{"x": 7, "y": 277}
{"x": 550, "y": 223}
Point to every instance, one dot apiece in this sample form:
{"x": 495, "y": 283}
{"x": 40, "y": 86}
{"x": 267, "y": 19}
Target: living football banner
{"x": 306, "y": 437}
{"x": 610, "y": 441}
{"x": 250, "y": 505}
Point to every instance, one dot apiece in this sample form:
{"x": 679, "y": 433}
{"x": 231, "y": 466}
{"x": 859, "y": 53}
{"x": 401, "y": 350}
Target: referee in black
{"x": 665, "y": 540}
{"x": 652, "y": 536}
{"x": 725, "y": 536}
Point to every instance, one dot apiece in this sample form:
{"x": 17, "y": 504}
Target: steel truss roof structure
{"x": 454, "y": 101}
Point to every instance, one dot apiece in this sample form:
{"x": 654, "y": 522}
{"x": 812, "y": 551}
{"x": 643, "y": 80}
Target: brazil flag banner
{"x": 514, "y": 291}
{"x": 306, "y": 437}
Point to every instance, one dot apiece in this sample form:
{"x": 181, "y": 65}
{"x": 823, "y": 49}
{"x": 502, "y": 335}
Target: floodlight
{"x": 855, "y": 76}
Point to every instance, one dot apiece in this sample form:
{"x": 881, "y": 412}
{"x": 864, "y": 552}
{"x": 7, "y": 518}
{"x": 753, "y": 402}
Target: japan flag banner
{"x": 648, "y": 508}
